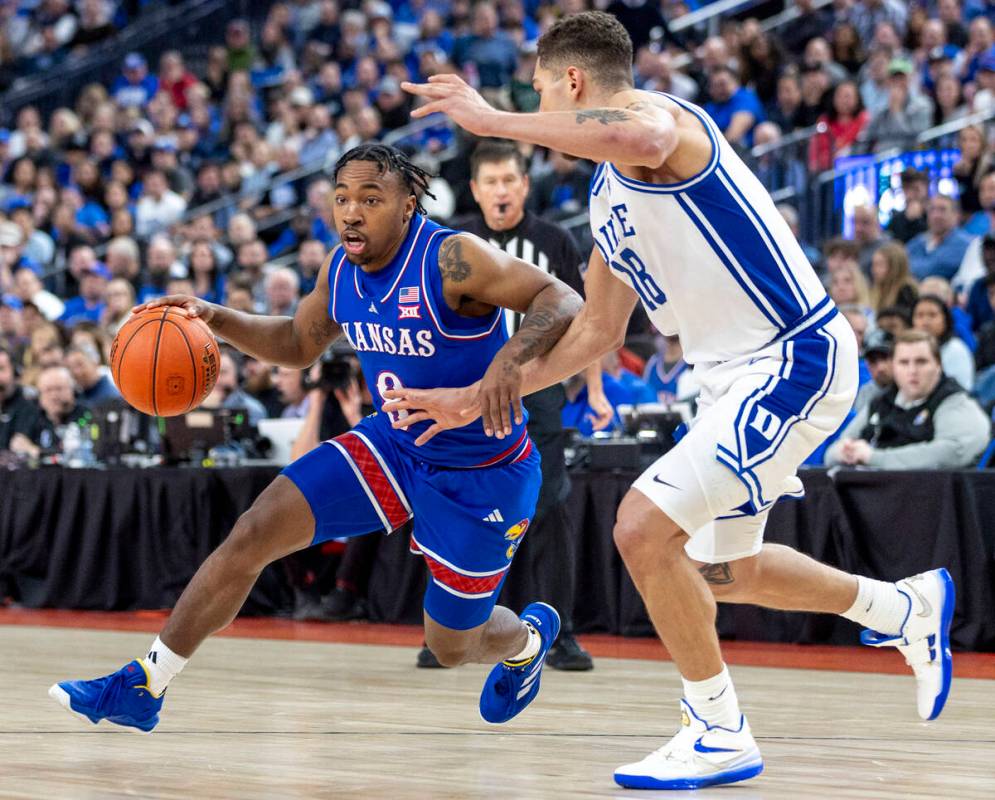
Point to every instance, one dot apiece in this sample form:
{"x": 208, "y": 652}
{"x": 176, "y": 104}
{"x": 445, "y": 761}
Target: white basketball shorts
{"x": 759, "y": 417}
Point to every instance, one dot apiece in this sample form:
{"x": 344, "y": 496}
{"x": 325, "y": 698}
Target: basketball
{"x": 163, "y": 362}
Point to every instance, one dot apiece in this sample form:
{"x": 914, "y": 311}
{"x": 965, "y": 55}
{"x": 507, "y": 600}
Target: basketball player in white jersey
{"x": 683, "y": 226}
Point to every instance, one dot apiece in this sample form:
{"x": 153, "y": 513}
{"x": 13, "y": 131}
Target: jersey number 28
{"x": 647, "y": 289}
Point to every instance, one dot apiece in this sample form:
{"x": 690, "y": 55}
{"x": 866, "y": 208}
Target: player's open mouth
{"x": 353, "y": 243}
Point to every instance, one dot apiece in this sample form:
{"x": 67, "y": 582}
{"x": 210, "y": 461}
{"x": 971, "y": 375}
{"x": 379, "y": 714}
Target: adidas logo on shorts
{"x": 494, "y": 516}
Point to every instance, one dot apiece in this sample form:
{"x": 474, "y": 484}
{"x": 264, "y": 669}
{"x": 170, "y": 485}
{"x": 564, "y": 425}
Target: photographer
{"x": 334, "y": 404}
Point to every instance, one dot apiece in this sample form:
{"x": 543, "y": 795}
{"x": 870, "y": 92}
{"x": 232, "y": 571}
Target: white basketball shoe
{"x": 924, "y": 638}
{"x": 699, "y": 755}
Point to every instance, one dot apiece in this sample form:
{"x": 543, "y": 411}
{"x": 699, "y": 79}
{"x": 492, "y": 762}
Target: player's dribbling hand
{"x": 455, "y": 98}
{"x": 192, "y": 306}
{"x": 445, "y": 408}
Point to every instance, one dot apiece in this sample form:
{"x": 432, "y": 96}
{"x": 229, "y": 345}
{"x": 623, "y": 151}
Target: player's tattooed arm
{"x": 453, "y": 263}
{"x": 606, "y": 116}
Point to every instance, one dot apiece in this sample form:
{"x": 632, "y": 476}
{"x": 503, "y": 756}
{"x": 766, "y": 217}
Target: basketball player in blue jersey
{"x": 684, "y": 227}
{"x": 420, "y": 305}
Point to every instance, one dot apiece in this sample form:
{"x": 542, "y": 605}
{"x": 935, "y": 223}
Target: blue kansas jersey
{"x": 398, "y": 322}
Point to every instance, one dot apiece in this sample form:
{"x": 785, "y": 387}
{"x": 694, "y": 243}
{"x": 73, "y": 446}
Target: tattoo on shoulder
{"x": 452, "y": 262}
{"x": 640, "y": 105}
{"x": 605, "y": 116}
{"x": 717, "y": 574}
{"x": 322, "y": 331}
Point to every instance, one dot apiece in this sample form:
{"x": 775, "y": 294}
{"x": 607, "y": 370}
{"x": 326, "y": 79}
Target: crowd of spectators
{"x": 206, "y": 173}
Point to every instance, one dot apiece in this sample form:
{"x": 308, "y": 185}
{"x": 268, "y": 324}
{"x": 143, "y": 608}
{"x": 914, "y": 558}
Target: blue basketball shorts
{"x": 468, "y": 523}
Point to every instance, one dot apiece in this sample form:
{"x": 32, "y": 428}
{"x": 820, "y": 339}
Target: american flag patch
{"x": 409, "y": 294}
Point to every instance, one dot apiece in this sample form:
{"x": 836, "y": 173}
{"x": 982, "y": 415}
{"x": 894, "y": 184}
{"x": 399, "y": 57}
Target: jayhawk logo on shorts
{"x": 514, "y": 535}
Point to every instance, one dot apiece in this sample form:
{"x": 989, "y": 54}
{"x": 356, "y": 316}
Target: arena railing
{"x": 163, "y": 27}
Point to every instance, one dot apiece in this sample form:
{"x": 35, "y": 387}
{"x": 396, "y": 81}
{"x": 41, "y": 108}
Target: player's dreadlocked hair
{"x": 390, "y": 160}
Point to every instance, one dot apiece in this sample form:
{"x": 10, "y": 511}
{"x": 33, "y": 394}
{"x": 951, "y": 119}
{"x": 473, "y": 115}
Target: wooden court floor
{"x": 257, "y": 718}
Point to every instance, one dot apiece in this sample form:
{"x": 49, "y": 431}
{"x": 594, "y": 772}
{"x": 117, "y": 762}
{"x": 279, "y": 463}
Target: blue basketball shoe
{"x": 511, "y": 687}
{"x": 924, "y": 638}
{"x": 123, "y": 697}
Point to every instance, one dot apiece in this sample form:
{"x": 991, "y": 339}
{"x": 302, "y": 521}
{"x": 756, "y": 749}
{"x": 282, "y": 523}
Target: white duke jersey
{"x": 710, "y": 257}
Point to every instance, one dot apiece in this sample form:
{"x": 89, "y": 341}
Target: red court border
{"x": 756, "y": 654}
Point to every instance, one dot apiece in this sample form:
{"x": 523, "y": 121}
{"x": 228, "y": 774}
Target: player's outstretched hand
{"x": 455, "y": 98}
{"x": 445, "y": 408}
{"x": 192, "y": 306}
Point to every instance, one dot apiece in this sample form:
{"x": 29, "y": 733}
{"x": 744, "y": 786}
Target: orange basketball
{"x": 163, "y": 362}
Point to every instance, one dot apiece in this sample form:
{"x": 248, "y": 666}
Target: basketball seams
{"x": 155, "y": 358}
{"x": 124, "y": 348}
{"x": 193, "y": 360}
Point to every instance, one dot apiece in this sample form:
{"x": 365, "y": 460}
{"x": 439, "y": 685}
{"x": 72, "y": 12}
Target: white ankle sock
{"x": 714, "y": 699}
{"x": 528, "y": 652}
{"x": 879, "y": 606}
{"x": 163, "y": 665}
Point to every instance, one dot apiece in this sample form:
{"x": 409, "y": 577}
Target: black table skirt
{"x": 131, "y": 539}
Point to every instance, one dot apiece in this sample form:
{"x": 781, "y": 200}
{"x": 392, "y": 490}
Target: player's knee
{"x": 640, "y": 541}
{"x": 247, "y": 544}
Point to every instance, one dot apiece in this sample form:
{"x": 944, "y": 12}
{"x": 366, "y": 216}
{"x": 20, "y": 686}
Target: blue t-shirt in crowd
{"x": 78, "y": 310}
{"x": 627, "y": 389}
{"x": 978, "y": 224}
{"x": 978, "y": 307}
{"x": 743, "y": 100}
{"x": 495, "y": 58}
{"x": 102, "y": 391}
{"x": 943, "y": 260}
{"x": 126, "y": 93}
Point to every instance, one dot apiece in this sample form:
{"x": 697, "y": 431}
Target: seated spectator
{"x": 735, "y": 109}
{"x": 159, "y": 207}
{"x": 621, "y": 388}
{"x": 984, "y": 356}
{"x": 161, "y": 266}
{"x": 932, "y": 315}
{"x": 123, "y": 259}
{"x": 282, "y": 288}
{"x": 58, "y": 409}
{"x": 119, "y": 299}
{"x": 777, "y": 170}
{"x": 975, "y": 162}
{"x": 94, "y": 386}
{"x": 867, "y": 235}
{"x": 838, "y": 129}
{"x": 848, "y": 287}
{"x": 877, "y": 357}
{"x": 894, "y": 320}
{"x": 208, "y": 282}
{"x": 258, "y": 382}
{"x": 38, "y": 245}
{"x": 977, "y": 307}
{"x": 89, "y": 304}
{"x": 973, "y": 266}
{"x": 925, "y": 421}
{"x": 891, "y": 283}
{"x": 907, "y": 114}
{"x": 134, "y": 87}
{"x": 786, "y": 110}
{"x": 911, "y": 220}
{"x": 293, "y": 392}
{"x": 487, "y": 50}
{"x": 790, "y": 215}
{"x": 28, "y": 287}
{"x": 837, "y": 252}
{"x": 666, "y": 372}
{"x": 310, "y": 257}
{"x": 563, "y": 190}
{"x": 227, "y": 392}
{"x": 940, "y": 250}
{"x": 17, "y": 410}
{"x": 962, "y": 321}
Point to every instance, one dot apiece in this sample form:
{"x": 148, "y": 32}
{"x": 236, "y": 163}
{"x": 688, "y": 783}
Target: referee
{"x": 500, "y": 185}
